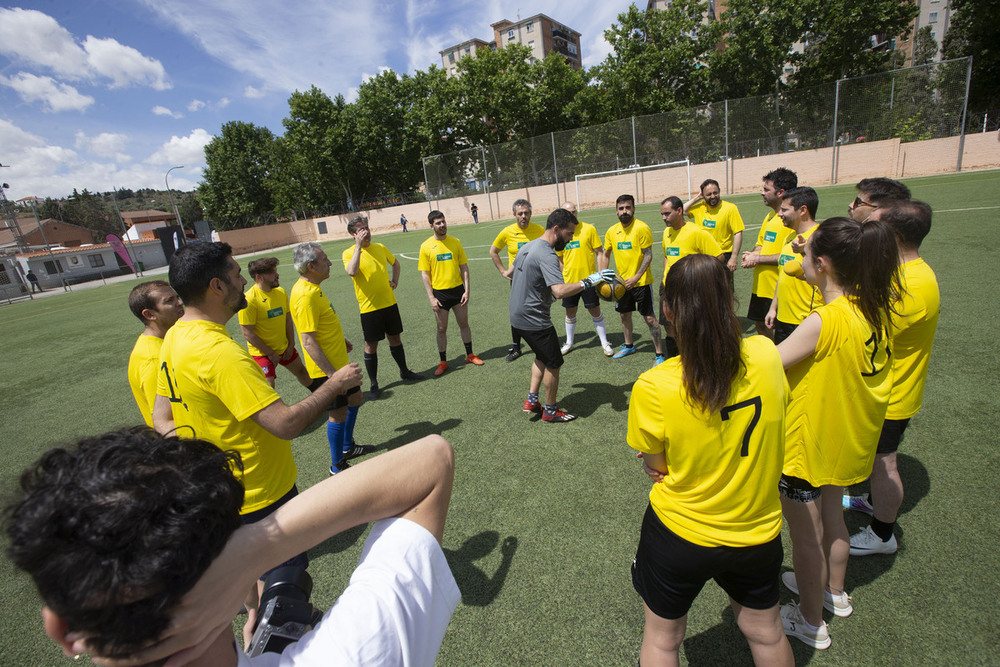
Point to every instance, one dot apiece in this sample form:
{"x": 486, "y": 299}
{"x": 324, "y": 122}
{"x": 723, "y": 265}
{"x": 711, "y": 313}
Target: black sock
{"x": 882, "y": 529}
{"x": 516, "y": 337}
{"x": 444, "y": 355}
{"x": 468, "y": 347}
{"x": 371, "y": 365}
{"x": 400, "y": 356}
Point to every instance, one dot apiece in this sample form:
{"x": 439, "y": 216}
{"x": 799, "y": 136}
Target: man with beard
{"x": 157, "y": 307}
{"x": 209, "y": 387}
{"x": 720, "y": 218}
{"x": 631, "y": 243}
{"x": 266, "y": 325}
{"x": 513, "y": 237}
{"x": 536, "y": 281}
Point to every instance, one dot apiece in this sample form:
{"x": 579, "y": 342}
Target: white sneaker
{"x": 858, "y": 504}
{"x": 608, "y": 350}
{"x": 566, "y": 348}
{"x": 795, "y": 626}
{"x": 865, "y": 543}
{"x": 838, "y": 605}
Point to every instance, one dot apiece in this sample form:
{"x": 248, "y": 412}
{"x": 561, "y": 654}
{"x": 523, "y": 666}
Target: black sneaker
{"x": 355, "y": 450}
{"x": 374, "y": 392}
{"x": 513, "y": 353}
{"x": 410, "y": 375}
{"x": 339, "y": 467}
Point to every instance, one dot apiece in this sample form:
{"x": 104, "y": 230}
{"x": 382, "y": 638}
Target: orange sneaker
{"x": 442, "y": 367}
{"x": 473, "y": 359}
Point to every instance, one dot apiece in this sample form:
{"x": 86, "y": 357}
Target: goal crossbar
{"x": 634, "y": 169}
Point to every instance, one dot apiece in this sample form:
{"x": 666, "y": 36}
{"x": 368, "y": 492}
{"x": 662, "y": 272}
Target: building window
{"x": 468, "y": 50}
{"x": 95, "y": 260}
{"x": 531, "y": 44}
{"x": 510, "y": 34}
{"x": 451, "y": 56}
{"x": 932, "y": 18}
{"x": 53, "y": 267}
{"x": 572, "y": 48}
{"x": 934, "y": 35}
{"x": 529, "y": 27}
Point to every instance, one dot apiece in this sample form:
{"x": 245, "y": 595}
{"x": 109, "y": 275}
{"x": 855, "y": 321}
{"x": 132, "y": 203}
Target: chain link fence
{"x": 911, "y": 104}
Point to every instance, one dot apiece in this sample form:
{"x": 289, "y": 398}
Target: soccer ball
{"x": 612, "y": 291}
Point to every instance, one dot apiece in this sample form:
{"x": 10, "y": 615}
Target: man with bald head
{"x": 579, "y": 260}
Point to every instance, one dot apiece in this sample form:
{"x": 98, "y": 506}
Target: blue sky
{"x": 111, "y": 93}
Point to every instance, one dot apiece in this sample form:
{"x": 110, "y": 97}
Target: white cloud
{"x": 195, "y": 105}
{"x": 189, "y": 150}
{"x": 53, "y": 95}
{"x": 105, "y": 144}
{"x": 253, "y": 93}
{"x": 222, "y": 103}
{"x": 164, "y": 111}
{"x": 35, "y": 38}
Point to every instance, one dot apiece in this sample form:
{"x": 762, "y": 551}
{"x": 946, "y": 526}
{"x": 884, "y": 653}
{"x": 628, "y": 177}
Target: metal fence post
{"x": 965, "y": 109}
{"x": 427, "y": 184}
{"x": 836, "y": 110}
{"x": 635, "y": 157}
{"x": 555, "y": 167}
{"x": 486, "y": 177}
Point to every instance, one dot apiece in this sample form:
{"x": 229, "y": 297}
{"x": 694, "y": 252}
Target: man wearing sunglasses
{"x": 874, "y": 193}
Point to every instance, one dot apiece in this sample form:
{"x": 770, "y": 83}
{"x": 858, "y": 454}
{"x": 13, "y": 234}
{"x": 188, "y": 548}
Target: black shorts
{"x": 726, "y": 256}
{"x": 668, "y": 571}
{"x": 782, "y": 330}
{"x": 301, "y": 560}
{"x": 449, "y": 298}
{"x": 376, "y": 324}
{"x": 637, "y": 298}
{"x": 545, "y": 345}
{"x": 798, "y": 490}
{"x": 340, "y": 400}
{"x": 590, "y": 299}
{"x": 758, "y": 308}
{"x": 891, "y": 436}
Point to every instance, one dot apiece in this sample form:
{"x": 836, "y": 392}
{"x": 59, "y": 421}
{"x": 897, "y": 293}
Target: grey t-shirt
{"x": 536, "y": 269}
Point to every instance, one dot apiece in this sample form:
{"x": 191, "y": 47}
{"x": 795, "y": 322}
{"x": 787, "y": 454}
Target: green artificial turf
{"x": 544, "y": 519}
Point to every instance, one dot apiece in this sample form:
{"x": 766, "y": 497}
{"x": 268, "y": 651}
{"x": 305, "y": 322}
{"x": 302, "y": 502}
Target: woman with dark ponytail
{"x": 838, "y": 367}
{"x": 710, "y": 424}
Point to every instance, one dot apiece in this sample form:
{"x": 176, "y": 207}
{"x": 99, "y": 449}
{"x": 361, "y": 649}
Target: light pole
{"x": 166, "y": 180}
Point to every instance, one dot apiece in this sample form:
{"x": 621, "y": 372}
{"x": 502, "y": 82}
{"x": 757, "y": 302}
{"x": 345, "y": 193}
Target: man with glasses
{"x": 874, "y": 193}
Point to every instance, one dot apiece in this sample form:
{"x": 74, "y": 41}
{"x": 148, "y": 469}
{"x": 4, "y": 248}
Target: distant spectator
{"x": 402, "y": 221}
{"x": 33, "y": 279}
{"x": 475, "y": 213}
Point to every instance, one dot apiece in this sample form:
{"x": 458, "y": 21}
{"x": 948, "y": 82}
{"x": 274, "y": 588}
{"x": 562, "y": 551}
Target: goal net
{"x": 649, "y": 183}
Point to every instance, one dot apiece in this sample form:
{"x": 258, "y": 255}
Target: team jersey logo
{"x": 572, "y": 245}
{"x": 673, "y": 252}
{"x": 783, "y": 259}
{"x": 444, "y": 256}
{"x": 624, "y": 245}
{"x": 770, "y": 236}
{"x": 709, "y": 224}
{"x": 275, "y": 312}
{"x": 520, "y": 243}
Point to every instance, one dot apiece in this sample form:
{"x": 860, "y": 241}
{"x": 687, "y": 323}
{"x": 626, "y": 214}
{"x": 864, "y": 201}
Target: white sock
{"x": 602, "y": 329}
{"x": 570, "y": 330}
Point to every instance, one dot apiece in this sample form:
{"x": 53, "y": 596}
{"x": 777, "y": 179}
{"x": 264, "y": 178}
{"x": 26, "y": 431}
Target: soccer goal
{"x": 652, "y": 182}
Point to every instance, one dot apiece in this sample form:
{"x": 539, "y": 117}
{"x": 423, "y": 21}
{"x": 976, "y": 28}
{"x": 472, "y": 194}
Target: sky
{"x": 100, "y": 94}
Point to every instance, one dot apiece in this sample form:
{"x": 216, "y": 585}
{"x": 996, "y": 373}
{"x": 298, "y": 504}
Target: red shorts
{"x": 269, "y": 368}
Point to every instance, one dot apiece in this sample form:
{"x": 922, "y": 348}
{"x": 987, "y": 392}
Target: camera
{"x": 284, "y": 613}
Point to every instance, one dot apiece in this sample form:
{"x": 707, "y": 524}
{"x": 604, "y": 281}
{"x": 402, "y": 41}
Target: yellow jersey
{"x": 215, "y": 387}
{"x": 771, "y": 238}
{"x": 442, "y": 260}
{"x": 721, "y": 484}
{"x": 912, "y": 328}
{"x": 796, "y": 297}
{"x": 313, "y": 313}
{"x": 688, "y": 240}
{"x": 578, "y": 260}
{"x": 371, "y": 282}
{"x": 627, "y": 244}
{"x": 266, "y": 313}
{"x": 513, "y": 237}
{"x": 721, "y": 221}
{"x": 839, "y": 399}
{"x": 142, "y": 366}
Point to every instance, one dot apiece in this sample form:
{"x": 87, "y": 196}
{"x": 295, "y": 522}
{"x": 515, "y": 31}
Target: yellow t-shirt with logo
{"x": 771, "y": 238}
{"x": 721, "y": 484}
{"x": 721, "y": 222}
{"x": 371, "y": 282}
{"x": 313, "y": 313}
{"x": 688, "y": 240}
{"x": 627, "y": 245}
{"x": 578, "y": 258}
{"x": 912, "y": 328}
{"x": 442, "y": 259}
{"x": 796, "y": 297}
{"x": 513, "y": 237}
{"x": 839, "y": 399}
{"x": 214, "y": 387}
{"x": 266, "y": 313}
{"x": 142, "y": 366}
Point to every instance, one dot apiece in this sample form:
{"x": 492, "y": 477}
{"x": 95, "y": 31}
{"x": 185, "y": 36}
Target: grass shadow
{"x": 588, "y": 396}
{"x": 720, "y": 644}
{"x": 478, "y": 588}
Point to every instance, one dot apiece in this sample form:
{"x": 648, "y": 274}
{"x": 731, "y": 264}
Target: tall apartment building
{"x": 933, "y": 13}
{"x": 540, "y": 33}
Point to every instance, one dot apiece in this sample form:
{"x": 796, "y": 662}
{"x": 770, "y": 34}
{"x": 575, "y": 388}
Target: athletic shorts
{"x": 590, "y": 299}
{"x": 637, "y": 298}
{"x": 891, "y": 436}
{"x": 758, "y": 308}
{"x": 545, "y": 345}
{"x": 302, "y": 560}
{"x": 451, "y": 297}
{"x": 269, "y": 368}
{"x": 782, "y": 330}
{"x": 798, "y": 490}
{"x": 668, "y": 571}
{"x": 340, "y": 400}
{"x": 376, "y": 324}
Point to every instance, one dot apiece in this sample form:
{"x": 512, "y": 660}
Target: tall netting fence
{"x": 911, "y": 104}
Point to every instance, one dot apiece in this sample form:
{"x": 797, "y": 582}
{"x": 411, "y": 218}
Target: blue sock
{"x": 335, "y": 434}
{"x": 352, "y": 417}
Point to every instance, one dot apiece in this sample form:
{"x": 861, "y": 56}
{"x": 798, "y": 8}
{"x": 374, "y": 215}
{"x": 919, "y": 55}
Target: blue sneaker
{"x": 624, "y": 351}
{"x": 658, "y": 359}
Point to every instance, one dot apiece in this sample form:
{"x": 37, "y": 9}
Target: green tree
{"x": 91, "y": 211}
{"x": 925, "y": 47}
{"x": 235, "y": 188}
{"x": 974, "y": 33}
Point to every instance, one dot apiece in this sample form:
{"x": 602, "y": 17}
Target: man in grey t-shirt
{"x": 537, "y": 281}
